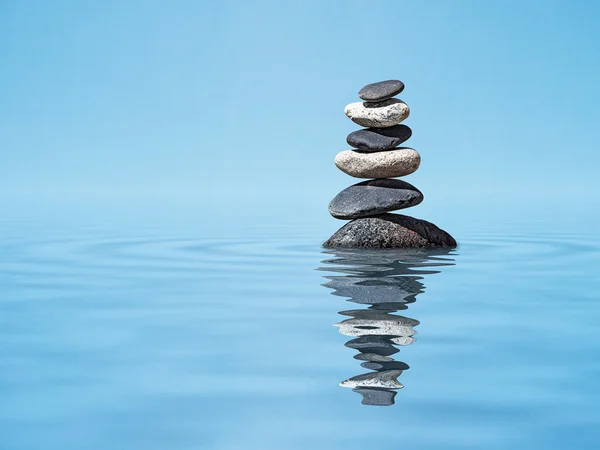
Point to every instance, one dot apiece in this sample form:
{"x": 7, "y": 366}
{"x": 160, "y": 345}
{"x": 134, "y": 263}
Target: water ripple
{"x": 207, "y": 333}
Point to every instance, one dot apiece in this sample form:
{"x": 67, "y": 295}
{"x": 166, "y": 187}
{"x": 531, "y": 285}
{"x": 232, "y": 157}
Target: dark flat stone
{"x": 392, "y": 365}
{"x": 390, "y": 231}
{"x": 374, "y": 197}
{"x": 379, "y": 139}
{"x": 382, "y": 90}
{"x": 379, "y": 345}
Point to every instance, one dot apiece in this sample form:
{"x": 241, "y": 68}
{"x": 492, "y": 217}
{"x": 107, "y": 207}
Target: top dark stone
{"x": 380, "y": 91}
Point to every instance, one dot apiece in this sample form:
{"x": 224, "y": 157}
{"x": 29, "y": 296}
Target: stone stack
{"x": 377, "y": 155}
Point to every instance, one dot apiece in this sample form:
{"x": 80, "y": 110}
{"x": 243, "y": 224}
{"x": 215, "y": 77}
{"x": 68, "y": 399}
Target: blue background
{"x": 165, "y": 170}
{"x": 234, "y": 110}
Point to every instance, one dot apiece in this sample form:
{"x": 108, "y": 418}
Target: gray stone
{"x": 374, "y": 197}
{"x": 390, "y": 231}
{"x": 380, "y": 115}
{"x": 382, "y": 90}
{"x": 395, "y": 291}
{"x": 379, "y": 139}
{"x": 375, "y": 314}
{"x": 373, "y": 344}
{"x": 390, "y": 164}
{"x": 376, "y": 397}
{"x": 373, "y": 357}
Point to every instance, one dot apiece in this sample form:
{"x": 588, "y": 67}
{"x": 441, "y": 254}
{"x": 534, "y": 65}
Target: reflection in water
{"x": 385, "y": 281}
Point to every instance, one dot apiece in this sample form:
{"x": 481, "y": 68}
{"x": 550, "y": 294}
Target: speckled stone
{"x": 382, "y": 90}
{"x": 385, "y": 379}
{"x": 389, "y": 164}
{"x": 390, "y": 231}
{"x": 379, "y": 139}
{"x": 374, "y": 197}
{"x": 380, "y": 115}
{"x": 400, "y": 327}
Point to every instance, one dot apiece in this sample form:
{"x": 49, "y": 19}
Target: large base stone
{"x": 390, "y": 231}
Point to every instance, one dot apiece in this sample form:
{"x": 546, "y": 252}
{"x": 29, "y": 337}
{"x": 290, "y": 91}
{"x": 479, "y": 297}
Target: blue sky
{"x": 231, "y": 105}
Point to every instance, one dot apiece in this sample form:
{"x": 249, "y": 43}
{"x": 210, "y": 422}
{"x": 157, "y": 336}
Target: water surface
{"x": 162, "y": 337}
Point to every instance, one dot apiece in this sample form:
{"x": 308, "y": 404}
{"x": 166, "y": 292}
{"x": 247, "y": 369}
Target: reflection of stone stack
{"x": 376, "y": 155}
{"x": 386, "y": 283}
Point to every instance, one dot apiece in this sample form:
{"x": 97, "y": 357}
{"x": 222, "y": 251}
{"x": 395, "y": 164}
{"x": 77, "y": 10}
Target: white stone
{"x": 363, "y": 327}
{"x": 380, "y": 115}
{"x": 386, "y": 164}
{"x": 386, "y": 379}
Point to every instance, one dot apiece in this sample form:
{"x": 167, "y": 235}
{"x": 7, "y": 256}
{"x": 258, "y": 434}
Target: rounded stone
{"x": 374, "y": 197}
{"x": 380, "y": 345}
{"x": 379, "y": 139}
{"x": 382, "y": 90}
{"x": 383, "y": 379}
{"x": 393, "y": 365}
{"x": 388, "y": 164}
{"x": 372, "y": 357}
{"x": 380, "y": 115}
{"x": 390, "y": 231}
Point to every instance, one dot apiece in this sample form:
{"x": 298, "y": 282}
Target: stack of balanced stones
{"x": 377, "y": 155}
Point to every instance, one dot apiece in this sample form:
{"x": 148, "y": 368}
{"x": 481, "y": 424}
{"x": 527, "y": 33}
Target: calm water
{"x": 176, "y": 338}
